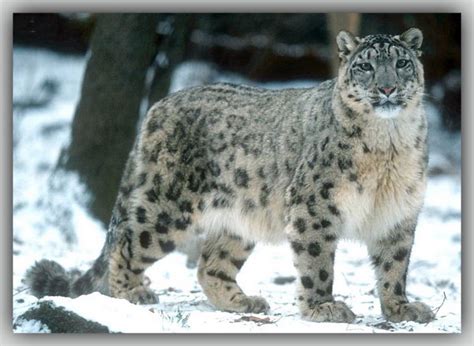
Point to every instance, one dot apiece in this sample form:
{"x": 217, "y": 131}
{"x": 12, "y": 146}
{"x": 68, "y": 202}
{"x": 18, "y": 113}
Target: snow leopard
{"x": 237, "y": 165}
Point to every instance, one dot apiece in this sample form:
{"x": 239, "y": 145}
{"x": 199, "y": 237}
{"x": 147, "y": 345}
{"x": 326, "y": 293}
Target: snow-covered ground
{"x": 51, "y": 221}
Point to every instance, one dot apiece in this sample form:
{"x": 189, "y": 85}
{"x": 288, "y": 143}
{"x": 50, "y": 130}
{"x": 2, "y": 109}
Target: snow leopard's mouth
{"x": 386, "y": 103}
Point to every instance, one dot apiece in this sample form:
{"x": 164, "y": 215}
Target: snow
{"x": 32, "y": 326}
{"x": 51, "y": 221}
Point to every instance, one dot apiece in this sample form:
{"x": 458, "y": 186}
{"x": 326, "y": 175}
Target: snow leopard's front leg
{"x": 312, "y": 236}
{"x": 390, "y": 257}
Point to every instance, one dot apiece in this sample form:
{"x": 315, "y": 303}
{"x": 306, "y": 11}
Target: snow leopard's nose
{"x": 387, "y": 90}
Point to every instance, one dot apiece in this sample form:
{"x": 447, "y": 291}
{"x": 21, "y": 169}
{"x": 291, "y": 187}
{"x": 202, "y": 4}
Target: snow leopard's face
{"x": 381, "y": 74}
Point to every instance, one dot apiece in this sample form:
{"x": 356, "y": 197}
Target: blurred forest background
{"x": 131, "y": 58}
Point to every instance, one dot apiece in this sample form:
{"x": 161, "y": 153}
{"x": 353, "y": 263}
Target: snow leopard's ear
{"x": 413, "y": 39}
{"x": 346, "y": 43}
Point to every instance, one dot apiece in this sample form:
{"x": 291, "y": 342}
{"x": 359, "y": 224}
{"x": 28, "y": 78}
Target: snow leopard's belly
{"x": 255, "y": 224}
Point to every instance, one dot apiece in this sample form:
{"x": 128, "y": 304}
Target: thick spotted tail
{"x": 49, "y": 278}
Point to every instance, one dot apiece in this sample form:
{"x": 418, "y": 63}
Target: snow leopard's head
{"x": 380, "y": 74}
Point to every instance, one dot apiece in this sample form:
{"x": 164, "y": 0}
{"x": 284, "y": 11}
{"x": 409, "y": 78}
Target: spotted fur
{"x": 238, "y": 165}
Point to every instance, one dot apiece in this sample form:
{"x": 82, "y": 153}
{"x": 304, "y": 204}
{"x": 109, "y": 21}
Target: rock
{"x": 60, "y": 320}
{"x": 283, "y": 280}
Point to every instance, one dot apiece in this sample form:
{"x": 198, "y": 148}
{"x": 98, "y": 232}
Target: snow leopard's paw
{"x": 416, "y": 311}
{"x": 141, "y": 295}
{"x": 335, "y": 311}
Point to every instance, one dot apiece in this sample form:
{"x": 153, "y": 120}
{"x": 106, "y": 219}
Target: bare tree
{"x": 174, "y": 46}
{"x": 337, "y": 22}
{"x": 104, "y": 126}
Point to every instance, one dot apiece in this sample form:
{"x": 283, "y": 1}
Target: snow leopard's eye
{"x": 366, "y": 66}
{"x": 401, "y": 63}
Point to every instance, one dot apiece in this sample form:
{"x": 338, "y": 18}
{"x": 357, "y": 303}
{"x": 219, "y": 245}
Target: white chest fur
{"x": 388, "y": 191}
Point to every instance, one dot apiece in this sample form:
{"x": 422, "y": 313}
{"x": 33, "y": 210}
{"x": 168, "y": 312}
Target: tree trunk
{"x": 104, "y": 126}
{"x": 337, "y": 22}
{"x": 175, "y": 47}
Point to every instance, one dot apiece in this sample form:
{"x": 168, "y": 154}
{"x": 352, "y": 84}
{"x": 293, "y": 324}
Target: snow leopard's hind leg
{"x": 151, "y": 218}
{"x": 153, "y": 232}
{"x": 222, "y": 257}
